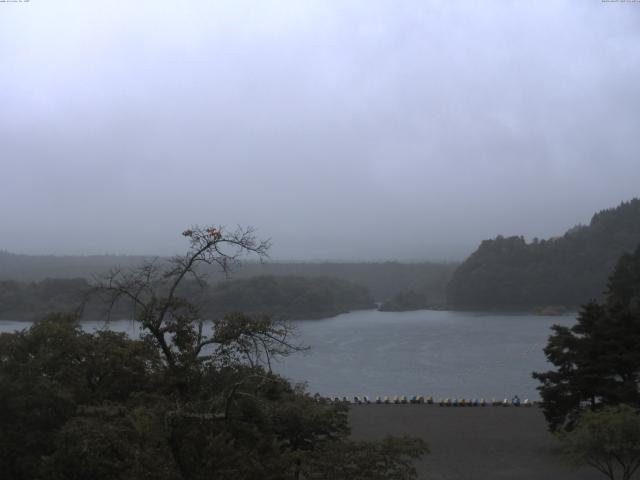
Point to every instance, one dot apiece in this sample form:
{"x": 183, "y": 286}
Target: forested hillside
{"x": 510, "y": 273}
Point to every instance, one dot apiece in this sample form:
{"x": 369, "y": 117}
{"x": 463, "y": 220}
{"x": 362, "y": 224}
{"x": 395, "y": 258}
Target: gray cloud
{"x": 364, "y": 130}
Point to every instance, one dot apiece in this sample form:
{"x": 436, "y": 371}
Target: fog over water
{"x": 342, "y": 130}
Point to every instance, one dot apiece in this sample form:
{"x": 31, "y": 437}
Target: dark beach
{"x": 472, "y": 443}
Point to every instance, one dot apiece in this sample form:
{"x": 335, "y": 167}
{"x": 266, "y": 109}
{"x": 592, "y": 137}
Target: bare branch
{"x": 173, "y": 323}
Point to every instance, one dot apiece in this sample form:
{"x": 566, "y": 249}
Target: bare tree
{"x": 175, "y": 325}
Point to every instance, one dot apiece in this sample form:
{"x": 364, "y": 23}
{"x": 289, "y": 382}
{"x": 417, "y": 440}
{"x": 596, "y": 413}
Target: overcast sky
{"x": 341, "y": 129}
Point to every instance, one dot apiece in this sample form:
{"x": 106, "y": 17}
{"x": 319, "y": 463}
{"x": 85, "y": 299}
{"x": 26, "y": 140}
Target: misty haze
{"x": 312, "y": 239}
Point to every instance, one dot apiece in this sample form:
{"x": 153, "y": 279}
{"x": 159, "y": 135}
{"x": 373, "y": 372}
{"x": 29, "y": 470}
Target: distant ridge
{"x": 509, "y": 273}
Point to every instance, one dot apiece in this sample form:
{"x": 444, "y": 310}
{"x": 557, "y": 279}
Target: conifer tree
{"x": 597, "y": 360}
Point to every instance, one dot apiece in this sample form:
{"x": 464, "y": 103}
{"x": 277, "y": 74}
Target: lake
{"x": 439, "y": 353}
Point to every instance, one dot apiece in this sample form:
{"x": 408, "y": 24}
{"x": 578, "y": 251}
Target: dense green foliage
{"x": 287, "y": 297}
{"x": 608, "y": 440}
{"x": 597, "y": 360}
{"x": 47, "y": 374}
{"x": 75, "y": 405}
{"x": 509, "y": 273}
{"x": 182, "y": 402}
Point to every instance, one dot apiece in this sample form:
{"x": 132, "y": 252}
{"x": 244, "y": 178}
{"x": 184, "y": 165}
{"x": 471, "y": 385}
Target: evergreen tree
{"x": 597, "y": 360}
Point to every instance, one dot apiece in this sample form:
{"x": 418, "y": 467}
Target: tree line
{"x": 382, "y": 279}
{"x": 286, "y": 297}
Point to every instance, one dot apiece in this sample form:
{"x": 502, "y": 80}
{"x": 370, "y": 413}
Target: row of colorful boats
{"x": 429, "y": 400}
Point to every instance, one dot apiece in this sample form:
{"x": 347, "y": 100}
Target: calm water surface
{"x": 439, "y": 353}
